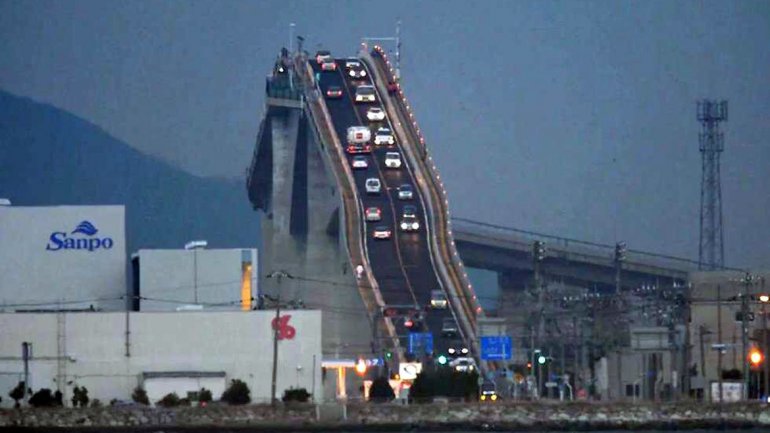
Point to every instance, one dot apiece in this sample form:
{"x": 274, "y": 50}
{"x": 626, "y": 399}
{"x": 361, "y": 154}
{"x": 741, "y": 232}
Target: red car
{"x": 359, "y": 148}
{"x": 392, "y": 87}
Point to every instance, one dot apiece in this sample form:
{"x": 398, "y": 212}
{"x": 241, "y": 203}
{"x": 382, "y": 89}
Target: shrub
{"x": 204, "y": 395}
{"x": 237, "y": 393}
{"x": 299, "y": 395}
{"x": 17, "y": 393}
{"x": 42, "y": 398}
{"x": 140, "y": 396}
{"x": 96, "y": 403}
{"x": 80, "y": 397}
{"x": 169, "y": 400}
{"x": 381, "y": 391}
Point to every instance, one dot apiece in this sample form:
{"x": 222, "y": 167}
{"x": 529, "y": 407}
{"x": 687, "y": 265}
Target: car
{"x": 321, "y": 55}
{"x": 392, "y": 160}
{"x": 409, "y": 211}
{"x": 360, "y": 161}
{"x": 373, "y": 185}
{"x": 463, "y": 364}
{"x": 373, "y": 213}
{"x": 366, "y": 93}
{"x": 357, "y": 73}
{"x": 438, "y": 300}
{"x": 334, "y": 92}
{"x": 392, "y": 87}
{"x": 405, "y": 192}
{"x": 352, "y": 62}
{"x": 381, "y": 232}
{"x": 409, "y": 224}
{"x": 375, "y": 114}
{"x": 449, "y": 327}
{"x": 488, "y": 392}
{"x": 384, "y": 136}
{"x": 359, "y": 134}
{"x": 457, "y": 348}
{"x": 328, "y": 64}
{"x": 354, "y": 148}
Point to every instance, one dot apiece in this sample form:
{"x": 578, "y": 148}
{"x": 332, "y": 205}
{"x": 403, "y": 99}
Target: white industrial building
{"x": 62, "y": 257}
{"x": 111, "y": 353}
{"x": 196, "y": 277}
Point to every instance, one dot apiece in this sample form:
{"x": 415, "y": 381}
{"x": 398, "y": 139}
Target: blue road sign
{"x": 421, "y": 343}
{"x": 496, "y": 348}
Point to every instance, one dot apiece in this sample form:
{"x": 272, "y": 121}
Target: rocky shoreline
{"x": 394, "y": 417}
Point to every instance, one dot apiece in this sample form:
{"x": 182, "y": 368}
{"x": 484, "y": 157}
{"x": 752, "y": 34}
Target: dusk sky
{"x": 572, "y": 118}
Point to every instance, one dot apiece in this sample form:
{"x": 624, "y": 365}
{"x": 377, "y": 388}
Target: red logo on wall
{"x": 285, "y": 331}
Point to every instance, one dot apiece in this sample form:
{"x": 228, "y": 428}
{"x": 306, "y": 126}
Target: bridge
{"x": 319, "y": 245}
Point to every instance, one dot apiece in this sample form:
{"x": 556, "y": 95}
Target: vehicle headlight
{"x": 415, "y": 226}
{"x": 483, "y": 397}
{"x": 493, "y": 397}
{"x": 404, "y": 226}
{"x": 451, "y": 351}
{"x": 465, "y": 350}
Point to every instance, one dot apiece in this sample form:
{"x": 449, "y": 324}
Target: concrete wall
{"x": 36, "y": 274}
{"x": 170, "y": 279}
{"x": 89, "y": 349}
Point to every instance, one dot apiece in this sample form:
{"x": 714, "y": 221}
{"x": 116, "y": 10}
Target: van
{"x": 365, "y": 93}
{"x": 359, "y": 135}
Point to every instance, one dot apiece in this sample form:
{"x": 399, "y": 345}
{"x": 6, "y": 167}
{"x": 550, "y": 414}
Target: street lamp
{"x": 195, "y": 246}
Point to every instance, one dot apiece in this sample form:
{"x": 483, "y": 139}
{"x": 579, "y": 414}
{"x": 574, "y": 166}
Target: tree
{"x": 80, "y": 397}
{"x": 381, "y": 391}
{"x": 140, "y": 396}
{"x": 237, "y": 393}
{"x": 17, "y": 393}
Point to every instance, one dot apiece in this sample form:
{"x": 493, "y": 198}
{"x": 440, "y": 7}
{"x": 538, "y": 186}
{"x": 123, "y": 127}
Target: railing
{"x": 351, "y": 211}
{"x": 442, "y": 243}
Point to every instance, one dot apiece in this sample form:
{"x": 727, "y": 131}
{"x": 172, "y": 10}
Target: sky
{"x": 573, "y": 118}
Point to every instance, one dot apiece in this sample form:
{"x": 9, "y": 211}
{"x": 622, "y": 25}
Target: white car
{"x": 321, "y": 55}
{"x": 373, "y": 185}
{"x": 366, "y": 93}
{"x": 373, "y": 214}
{"x": 359, "y": 161}
{"x": 405, "y": 192}
{"x": 375, "y": 114}
{"x": 392, "y": 160}
{"x": 410, "y": 224}
{"x": 352, "y": 62}
{"x": 381, "y": 232}
{"x": 463, "y": 364}
{"x": 384, "y": 136}
{"x": 357, "y": 73}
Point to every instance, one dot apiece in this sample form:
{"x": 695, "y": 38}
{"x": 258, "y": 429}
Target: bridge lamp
{"x": 361, "y": 367}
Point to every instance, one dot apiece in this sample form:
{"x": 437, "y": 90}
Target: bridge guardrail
{"x": 351, "y": 212}
{"x": 439, "y": 218}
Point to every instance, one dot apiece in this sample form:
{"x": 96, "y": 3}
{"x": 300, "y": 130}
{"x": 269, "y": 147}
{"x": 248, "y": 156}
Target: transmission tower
{"x": 711, "y": 251}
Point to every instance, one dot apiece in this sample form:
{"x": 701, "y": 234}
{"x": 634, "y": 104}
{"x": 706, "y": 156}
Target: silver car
{"x": 405, "y": 192}
{"x": 373, "y": 185}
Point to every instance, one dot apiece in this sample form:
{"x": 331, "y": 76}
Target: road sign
{"x": 496, "y": 348}
{"x": 409, "y": 370}
{"x": 421, "y": 343}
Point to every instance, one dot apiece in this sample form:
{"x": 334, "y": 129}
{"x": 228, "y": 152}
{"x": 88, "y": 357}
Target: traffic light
{"x": 620, "y": 251}
{"x": 538, "y": 250}
{"x": 529, "y": 366}
{"x": 755, "y": 357}
{"x": 541, "y": 359}
{"x": 442, "y": 360}
{"x": 388, "y": 355}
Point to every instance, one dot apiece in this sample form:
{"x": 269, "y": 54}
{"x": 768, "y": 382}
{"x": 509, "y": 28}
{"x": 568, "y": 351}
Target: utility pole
{"x": 279, "y": 275}
{"x": 719, "y": 339}
{"x": 747, "y": 280}
{"x": 538, "y": 254}
{"x": 26, "y": 354}
{"x": 764, "y": 298}
{"x": 620, "y": 257}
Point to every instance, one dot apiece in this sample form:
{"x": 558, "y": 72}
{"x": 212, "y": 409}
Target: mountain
{"x": 51, "y": 157}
